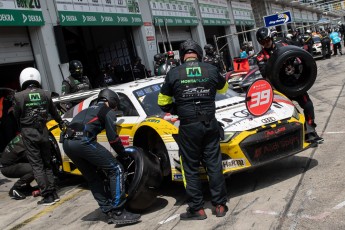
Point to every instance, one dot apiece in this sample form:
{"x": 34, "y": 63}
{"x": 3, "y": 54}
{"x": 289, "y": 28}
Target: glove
{"x": 63, "y": 125}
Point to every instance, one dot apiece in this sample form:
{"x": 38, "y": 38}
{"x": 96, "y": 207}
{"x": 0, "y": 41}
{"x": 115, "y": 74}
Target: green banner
{"x": 76, "y": 18}
{"x": 244, "y": 22}
{"x": 21, "y": 18}
{"x": 215, "y": 22}
{"x": 175, "y": 21}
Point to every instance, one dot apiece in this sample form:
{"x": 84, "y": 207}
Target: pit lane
{"x": 305, "y": 191}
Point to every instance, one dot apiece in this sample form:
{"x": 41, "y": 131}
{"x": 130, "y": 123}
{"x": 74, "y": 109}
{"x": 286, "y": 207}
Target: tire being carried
{"x": 144, "y": 177}
{"x": 291, "y": 70}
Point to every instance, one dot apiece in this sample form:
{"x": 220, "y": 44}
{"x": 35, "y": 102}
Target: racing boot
{"x": 122, "y": 217}
{"x": 193, "y": 215}
{"x": 221, "y": 210}
{"x": 313, "y": 137}
{"x": 16, "y": 193}
{"x": 56, "y": 196}
{"x": 47, "y": 200}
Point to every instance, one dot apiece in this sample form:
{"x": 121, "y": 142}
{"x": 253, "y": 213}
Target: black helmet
{"x": 75, "y": 68}
{"x": 209, "y": 49}
{"x": 263, "y": 34}
{"x": 110, "y": 96}
{"x": 157, "y": 57}
{"x": 190, "y": 46}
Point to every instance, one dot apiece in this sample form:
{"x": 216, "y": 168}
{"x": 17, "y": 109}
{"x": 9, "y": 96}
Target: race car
{"x": 317, "y": 47}
{"x": 241, "y": 78}
{"x": 249, "y": 141}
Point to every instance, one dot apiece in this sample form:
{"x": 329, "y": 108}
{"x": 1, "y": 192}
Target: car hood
{"x": 236, "y": 117}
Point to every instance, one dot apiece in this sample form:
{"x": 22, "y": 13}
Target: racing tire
{"x": 55, "y": 159}
{"x": 282, "y": 72}
{"x": 143, "y": 178}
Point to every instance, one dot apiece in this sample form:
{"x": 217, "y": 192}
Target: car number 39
{"x": 260, "y": 98}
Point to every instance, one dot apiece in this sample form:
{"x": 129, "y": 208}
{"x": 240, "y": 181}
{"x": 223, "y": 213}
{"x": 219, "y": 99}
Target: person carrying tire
{"x": 263, "y": 36}
{"x": 81, "y": 146}
{"x": 194, "y": 85}
{"x": 32, "y": 108}
{"x": 15, "y": 164}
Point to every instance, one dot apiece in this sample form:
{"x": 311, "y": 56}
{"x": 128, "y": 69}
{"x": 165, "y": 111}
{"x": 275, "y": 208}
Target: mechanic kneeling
{"x": 263, "y": 35}
{"x": 15, "y": 164}
{"x": 80, "y": 144}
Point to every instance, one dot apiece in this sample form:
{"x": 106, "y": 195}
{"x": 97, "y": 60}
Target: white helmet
{"x": 339, "y": 23}
{"x": 308, "y": 31}
{"x": 29, "y": 75}
{"x": 289, "y": 36}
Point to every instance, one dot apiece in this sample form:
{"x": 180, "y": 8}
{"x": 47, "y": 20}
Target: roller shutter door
{"x": 15, "y": 45}
{"x": 176, "y": 33}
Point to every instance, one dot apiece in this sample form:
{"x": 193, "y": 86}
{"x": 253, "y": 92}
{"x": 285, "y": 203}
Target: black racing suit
{"x": 194, "y": 86}
{"x": 16, "y": 164}
{"x": 32, "y": 109}
{"x": 89, "y": 156}
{"x": 75, "y": 84}
{"x": 213, "y": 59}
{"x": 326, "y": 46}
{"x": 140, "y": 71}
{"x": 303, "y": 100}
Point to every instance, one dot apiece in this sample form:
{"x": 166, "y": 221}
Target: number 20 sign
{"x": 259, "y": 97}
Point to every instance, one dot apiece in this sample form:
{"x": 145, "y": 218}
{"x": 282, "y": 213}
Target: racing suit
{"x": 32, "y": 109}
{"x": 303, "y": 100}
{"x": 88, "y": 155}
{"x": 16, "y": 165}
{"x": 194, "y": 86}
{"x": 326, "y": 46}
{"x": 308, "y": 41}
{"x": 74, "y": 85}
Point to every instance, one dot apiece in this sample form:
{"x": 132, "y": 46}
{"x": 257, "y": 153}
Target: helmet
{"x": 209, "y": 49}
{"x": 190, "y": 46}
{"x": 308, "y": 31}
{"x": 289, "y": 36}
{"x": 171, "y": 53}
{"x": 29, "y": 76}
{"x": 110, "y": 96}
{"x": 339, "y": 23}
{"x": 262, "y": 34}
{"x": 75, "y": 68}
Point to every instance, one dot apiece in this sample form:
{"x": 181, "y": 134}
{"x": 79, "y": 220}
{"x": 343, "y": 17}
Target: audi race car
{"x": 250, "y": 141}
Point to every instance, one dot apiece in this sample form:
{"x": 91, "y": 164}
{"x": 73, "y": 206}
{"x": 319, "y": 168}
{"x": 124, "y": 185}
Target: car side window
{"x": 126, "y": 106}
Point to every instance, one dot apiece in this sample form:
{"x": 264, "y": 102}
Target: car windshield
{"x": 316, "y": 39}
{"x": 148, "y": 98}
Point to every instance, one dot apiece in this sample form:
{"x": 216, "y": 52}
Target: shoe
{"x": 122, "y": 217}
{"x": 313, "y": 138}
{"x": 56, "y": 196}
{"x": 193, "y": 215}
{"x": 16, "y": 194}
{"x": 221, "y": 210}
{"x": 47, "y": 200}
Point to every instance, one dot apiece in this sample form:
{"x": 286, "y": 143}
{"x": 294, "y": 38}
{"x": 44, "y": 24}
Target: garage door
{"x": 15, "y": 45}
{"x": 176, "y": 33}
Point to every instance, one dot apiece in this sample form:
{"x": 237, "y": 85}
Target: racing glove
{"x": 63, "y": 125}
{"x": 118, "y": 147}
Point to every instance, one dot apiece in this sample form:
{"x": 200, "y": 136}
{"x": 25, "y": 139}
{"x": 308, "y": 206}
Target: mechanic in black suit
{"x": 263, "y": 36}
{"x": 194, "y": 85}
{"x": 80, "y": 144}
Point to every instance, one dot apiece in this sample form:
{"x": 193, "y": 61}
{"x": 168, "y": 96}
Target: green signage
{"x": 76, "y": 18}
{"x": 21, "y": 18}
{"x": 215, "y": 22}
{"x": 244, "y": 22}
{"x": 175, "y": 21}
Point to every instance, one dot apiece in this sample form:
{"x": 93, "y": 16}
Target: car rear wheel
{"x": 143, "y": 178}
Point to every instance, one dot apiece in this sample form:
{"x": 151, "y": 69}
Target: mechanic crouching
{"x": 263, "y": 36}
{"x": 15, "y": 164}
{"x": 81, "y": 146}
{"x": 194, "y": 85}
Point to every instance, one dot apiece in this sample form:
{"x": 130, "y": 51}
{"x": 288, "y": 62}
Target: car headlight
{"x": 295, "y": 114}
{"x": 228, "y": 135}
